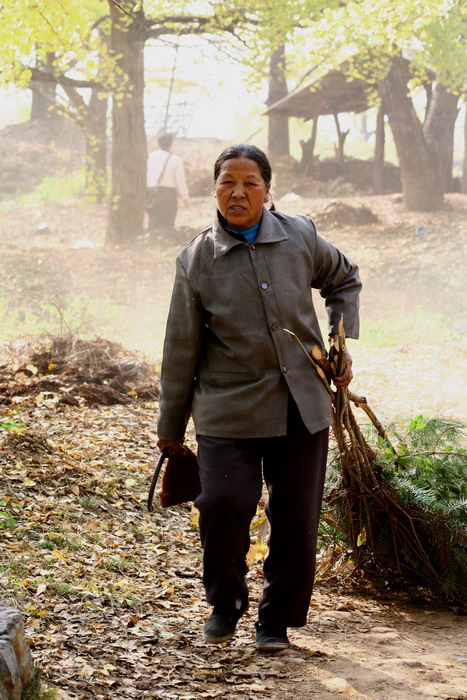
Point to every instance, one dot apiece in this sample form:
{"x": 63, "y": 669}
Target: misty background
{"x": 76, "y": 257}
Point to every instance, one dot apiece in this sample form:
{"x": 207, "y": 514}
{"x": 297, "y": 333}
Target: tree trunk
{"x": 439, "y": 132}
{"x": 308, "y": 149}
{"x": 96, "y": 147}
{"x": 129, "y": 151}
{"x": 278, "y": 124}
{"x": 43, "y": 92}
{"x": 378, "y": 172}
{"x": 421, "y": 185}
{"x": 464, "y": 164}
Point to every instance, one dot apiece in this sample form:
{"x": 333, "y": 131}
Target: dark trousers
{"x": 231, "y": 477}
{"x": 161, "y": 203}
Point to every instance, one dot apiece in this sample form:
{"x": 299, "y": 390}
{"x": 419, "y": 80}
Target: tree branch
{"x": 120, "y": 7}
{"x": 63, "y": 80}
{"x": 188, "y": 24}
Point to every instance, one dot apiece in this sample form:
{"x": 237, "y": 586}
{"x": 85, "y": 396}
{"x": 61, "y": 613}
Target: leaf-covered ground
{"x": 113, "y": 599}
{"x": 112, "y": 595}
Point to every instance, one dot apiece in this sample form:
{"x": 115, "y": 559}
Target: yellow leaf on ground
{"x": 256, "y": 552}
{"x": 58, "y": 555}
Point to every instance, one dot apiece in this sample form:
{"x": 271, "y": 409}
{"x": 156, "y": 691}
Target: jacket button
{"x": 253, "y": 247}
{"x": 274, "y": 326}
{"x": 264, "y": 285}
{"x": 285, "y": 370}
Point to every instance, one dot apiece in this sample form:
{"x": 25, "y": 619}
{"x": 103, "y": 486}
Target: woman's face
{"x": 241, "y": 192}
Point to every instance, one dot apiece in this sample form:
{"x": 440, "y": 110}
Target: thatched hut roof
{"x": 331, "y": 94}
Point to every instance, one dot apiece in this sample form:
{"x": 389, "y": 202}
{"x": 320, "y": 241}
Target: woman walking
{"x": 258, "y": 410}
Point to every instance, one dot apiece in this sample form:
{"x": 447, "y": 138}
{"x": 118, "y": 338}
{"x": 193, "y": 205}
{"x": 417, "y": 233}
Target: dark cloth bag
{"x": 180, "y": 480}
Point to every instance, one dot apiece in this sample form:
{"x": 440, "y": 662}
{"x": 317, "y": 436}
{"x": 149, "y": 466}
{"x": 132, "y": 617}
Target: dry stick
{"x": 354, "y": 445}
{"x": 341, "y": 393}
{"x": 359, "y": 448}
{"x": 319, "y": 370}
{"x": 363, "y": 446}
{"x": 411, "y": 538}
{"x": 383, "y": 498}
{"x": 318, "y": 355}
{"x": 361, "y": 402}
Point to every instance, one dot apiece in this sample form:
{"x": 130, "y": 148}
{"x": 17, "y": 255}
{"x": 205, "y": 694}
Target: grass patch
{"x": 406, "y": 327}
{"x": 42, "y": 316}
{"x": 55, "y": 189}
{"x": 35, "y": 690}
{"x": 9, "y": 514}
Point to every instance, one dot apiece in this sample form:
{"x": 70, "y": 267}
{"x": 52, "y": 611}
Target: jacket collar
{"x": 270, "y": 231}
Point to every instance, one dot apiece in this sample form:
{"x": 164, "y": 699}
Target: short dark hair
{"x": 165, "y": 140}
{"x": 245, "y": 150}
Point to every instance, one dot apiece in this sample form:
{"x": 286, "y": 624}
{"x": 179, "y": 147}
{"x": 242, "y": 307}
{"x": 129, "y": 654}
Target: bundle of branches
{"x": 389, "y": 531}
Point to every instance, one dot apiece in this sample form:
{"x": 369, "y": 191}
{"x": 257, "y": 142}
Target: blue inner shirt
{"x": 249, "y": 234}
{"x": 245, "y": 234}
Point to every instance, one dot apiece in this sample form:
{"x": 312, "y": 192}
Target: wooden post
{"x": 341, "y": 136}
{"x": 378, "y": 168}
{"x": 314, "y": 131}
{"x": 308, "y": 148}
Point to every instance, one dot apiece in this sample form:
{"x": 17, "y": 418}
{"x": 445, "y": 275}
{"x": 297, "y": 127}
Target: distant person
{"x": 259, "y": 409}
{"x": 165, "y": 183}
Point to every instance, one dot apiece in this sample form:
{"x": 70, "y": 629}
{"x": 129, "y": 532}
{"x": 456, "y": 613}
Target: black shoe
{"x": 221, "y": 625}
{"x": 271, "y": 637}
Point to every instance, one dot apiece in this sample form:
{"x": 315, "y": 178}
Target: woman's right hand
{"x": 172, "y": 446}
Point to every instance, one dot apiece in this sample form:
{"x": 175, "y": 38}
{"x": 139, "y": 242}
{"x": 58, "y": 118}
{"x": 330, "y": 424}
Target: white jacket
{"x": 174, "y": 173}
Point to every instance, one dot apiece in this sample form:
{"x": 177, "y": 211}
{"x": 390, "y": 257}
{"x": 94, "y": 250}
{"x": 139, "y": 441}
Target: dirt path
{"x": 351, "y": 648}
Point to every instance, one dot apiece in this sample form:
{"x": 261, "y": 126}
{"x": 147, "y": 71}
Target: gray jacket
{"x": 226, "y": 356}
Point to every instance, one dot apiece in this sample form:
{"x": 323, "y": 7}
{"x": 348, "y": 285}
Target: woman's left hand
{"x": 344, "y": 379}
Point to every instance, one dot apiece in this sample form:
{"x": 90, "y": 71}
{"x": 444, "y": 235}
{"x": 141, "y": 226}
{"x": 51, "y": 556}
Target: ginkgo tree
{"x": 98, "y": 47}
{"x": 99, "y": 44}
{"x": 266, "y": 33}
{"x": 45, "y": 45}
{"x": 132, "y": 25}
{"x": 259, "y": 27}
{"x": 401, "y": 46}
